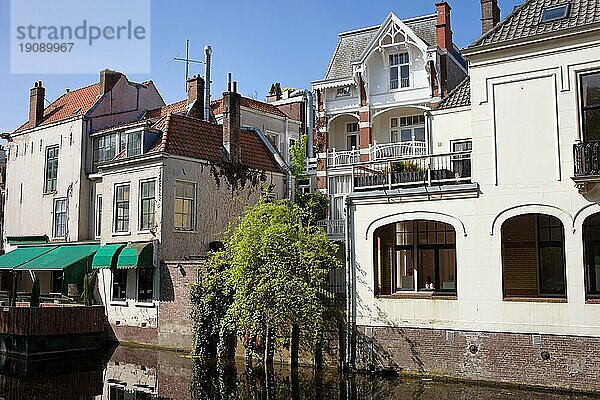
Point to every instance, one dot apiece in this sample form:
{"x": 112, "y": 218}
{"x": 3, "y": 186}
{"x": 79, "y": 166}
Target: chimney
{"x": 232, "y": 121}
{"x": 195, "y": 97}
{"x": 490, "y": 15}
{"x": 108, "y": 80}
{"x": 207, "y": 66}
{"x": 443, "y": 30}
{"x": 36, "y": 104}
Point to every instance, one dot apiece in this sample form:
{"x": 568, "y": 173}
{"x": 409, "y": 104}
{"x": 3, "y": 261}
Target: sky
{"x": 259, "y": 41}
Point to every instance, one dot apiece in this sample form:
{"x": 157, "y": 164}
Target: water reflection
{"x": 136, "y": 374}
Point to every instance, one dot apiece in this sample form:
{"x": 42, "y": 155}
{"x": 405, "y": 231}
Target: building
{"x": 374, "y": 100}
{"x": 110, "y": 179}
{"x": 479, "y": 258}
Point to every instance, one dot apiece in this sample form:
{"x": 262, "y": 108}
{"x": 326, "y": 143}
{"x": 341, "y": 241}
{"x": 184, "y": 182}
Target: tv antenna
{"x": 187, "y": 61}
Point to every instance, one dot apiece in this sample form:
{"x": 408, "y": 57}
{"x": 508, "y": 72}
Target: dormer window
{"x": 555, "y": 13}
{"x": 399, "y": 71}
{"x": 132, "y": 143}
{"x": 343, "y": 92}
{"x": 122, "y": 145}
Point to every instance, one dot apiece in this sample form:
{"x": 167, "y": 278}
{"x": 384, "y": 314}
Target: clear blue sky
{"x": 260, "y": 41}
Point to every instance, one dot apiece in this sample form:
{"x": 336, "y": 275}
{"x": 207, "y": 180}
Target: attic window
{"x": 555, "y": 13}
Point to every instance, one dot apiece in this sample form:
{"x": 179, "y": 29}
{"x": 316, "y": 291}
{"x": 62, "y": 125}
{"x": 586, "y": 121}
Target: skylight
{"x": 555, "y": 13}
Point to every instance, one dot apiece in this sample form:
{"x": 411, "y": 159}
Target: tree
{"x": 298, "y": 164}
{"x": 273, "y": 268}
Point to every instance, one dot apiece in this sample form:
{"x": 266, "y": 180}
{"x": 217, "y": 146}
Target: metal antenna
{"x": 187, "y": 61}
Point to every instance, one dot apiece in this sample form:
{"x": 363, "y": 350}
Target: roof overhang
{"x": 332, "y": 83}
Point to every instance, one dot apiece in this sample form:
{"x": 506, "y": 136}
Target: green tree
{"x": 298, "y": 164}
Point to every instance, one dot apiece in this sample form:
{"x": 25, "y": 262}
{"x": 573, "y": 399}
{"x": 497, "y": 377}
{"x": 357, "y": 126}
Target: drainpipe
{"x": 350, "y": 289}
{"x": 207, "y": 82}
{"x": 282, "y": 164}
{"x": 310, "y": 118}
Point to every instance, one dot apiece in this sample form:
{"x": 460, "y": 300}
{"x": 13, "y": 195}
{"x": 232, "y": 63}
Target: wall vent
{"x": 536, "y": 340}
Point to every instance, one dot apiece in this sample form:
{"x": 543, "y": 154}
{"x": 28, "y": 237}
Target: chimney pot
{"x": 444, "y": 31}
{"x": 235, "y": 87}
{"x": 36, "y": 103}
{"x": 490, "y": 15}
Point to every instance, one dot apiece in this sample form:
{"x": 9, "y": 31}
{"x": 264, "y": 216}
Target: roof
{"x": 177, "y": 107}
{"x": 524, "y": 21}
{"x": 70, "y": 104}
{"x": 460, "y": 96}
{"x": 217, "y": 106}
{"x": 351, "y": 45}
{"x": 195, "y": 138}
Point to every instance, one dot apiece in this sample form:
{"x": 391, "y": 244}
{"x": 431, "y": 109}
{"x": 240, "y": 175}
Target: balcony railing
{"x": 336, "y": 228}
{"x": 337, "y": 158}
{"x": 439, "y": 169}
{"x": 587, "y": 158}
{"x": 401, "y": 149}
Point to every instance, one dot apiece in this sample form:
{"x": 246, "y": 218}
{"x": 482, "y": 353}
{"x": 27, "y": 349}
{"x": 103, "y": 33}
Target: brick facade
{"x": 566, "y": 362}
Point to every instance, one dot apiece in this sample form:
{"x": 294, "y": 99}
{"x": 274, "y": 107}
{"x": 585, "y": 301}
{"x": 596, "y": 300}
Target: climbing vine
{"x": 236, "y": 175}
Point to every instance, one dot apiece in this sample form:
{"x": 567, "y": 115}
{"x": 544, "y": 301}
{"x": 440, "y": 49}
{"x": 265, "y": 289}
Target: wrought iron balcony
{"x": 335, "y": 228}
{"x": 586, "y": 156}
{"x": 338, "y": 158}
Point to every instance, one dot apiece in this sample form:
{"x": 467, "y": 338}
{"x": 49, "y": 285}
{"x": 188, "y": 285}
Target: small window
{"x": 185, "y": 205}
{"x": 105, "y": 148}
{"x": 122, "y": 208}
{"x": 51, "y": 172}
{"x": 60, "y": 218}
{"x": 343, "y": 92}
{"x": 555, "y": 13}
{"x": 399, "y": 71}
{"x": 131, "y": 143}
{"x": 148, "y": 205}
{"x": 119, "y": 289}
{"x": 351, "y": 127}
{"x": 145, "y": 284}
{"x": 98, "y": 224}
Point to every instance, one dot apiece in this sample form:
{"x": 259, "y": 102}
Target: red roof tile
{"x": 178, "y": 107}
{"x": 217, "y": 106}
{"x": 70, "y": 104}
{"x": 194, "y": 138}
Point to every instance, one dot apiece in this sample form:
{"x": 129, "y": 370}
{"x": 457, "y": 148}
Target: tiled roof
{"x": 459, "y": 97}
{"x": 524, "y": 21}
{"x": 217, "y": 106}
{"x": 175, "y": 108}
{"x": 351, "y": 45}
{"x": 70, "y": 104}
{"x": 194, "y": 138}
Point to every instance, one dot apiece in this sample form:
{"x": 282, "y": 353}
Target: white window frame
{"x": 344, "y": 91}
{"x": 55, "y": 221}
{"x": 114, "y": 219}
{"x": 393, "y": 64}
{"x": 124, "y": 143}
{"x": 140, "y": 205}
{"x": 46, "y": 165}
{"x": 193, "y": 228}
{"x": 397, "y": 130}
{"x": 98, "y": 217}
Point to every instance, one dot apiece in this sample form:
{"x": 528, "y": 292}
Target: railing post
{"x": 352, "y": 179}
{"x": 429, "y": 159}
{"x": 389, "y": 168}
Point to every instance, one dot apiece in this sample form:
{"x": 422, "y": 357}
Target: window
{"x": 351, "y": 127}
{"x": 98, "y": 224}
{"x": 51, "y": 169}
{"x": 590, "y": 94}
{"x": 415, "y": 256}
{"x": 119, "y": 287}
{"x": 147, "y": 204}
{"x": 60, "y": 218}
{"x": 591, "y": 248}
{"x": 533, "y": 256}
{"x": 185, "y": 205}
{"x": 105, "y": 148}
{"x": 343, "y": 92}
{"x": 274, "y": 138}
{"x": 555, "y": 13}
{"x": 407, "y": 129}
{"x": 122, "y": 208}
{"x": 461, "y": 164}
{"x": 131, "y": 143}
{"x": 399, "y": 71}
{"x": 145, "y": 284}
{"x": 116, "y": 392}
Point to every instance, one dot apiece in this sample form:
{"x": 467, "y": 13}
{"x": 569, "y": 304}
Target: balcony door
{"x": 352, "y": 136}
{"x": 590, "y": 94}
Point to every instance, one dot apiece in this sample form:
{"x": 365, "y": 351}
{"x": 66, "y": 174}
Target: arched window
{"x": 533, "y": 256}
{"x": 415, "y": 256}
{"x": 591, "y": 248}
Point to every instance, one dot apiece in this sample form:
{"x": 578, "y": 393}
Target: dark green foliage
{"x": 313, "y": 207}
{"x": 406, "y": 166}
{"x": 298, "y": 164}
{"x": 236, "y": 175}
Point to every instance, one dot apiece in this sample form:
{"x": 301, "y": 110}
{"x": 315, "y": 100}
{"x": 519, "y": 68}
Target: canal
{"x": 137, "y": 374}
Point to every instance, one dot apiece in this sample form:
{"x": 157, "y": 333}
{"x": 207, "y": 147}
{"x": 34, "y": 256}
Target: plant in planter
{"x": 407, "y": 172}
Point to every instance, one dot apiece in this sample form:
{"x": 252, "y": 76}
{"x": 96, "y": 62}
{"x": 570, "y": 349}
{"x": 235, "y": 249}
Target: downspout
{"x": 282, "y": 164}
{"x": 350, "y": 289}
{"x": 310, "y": 118}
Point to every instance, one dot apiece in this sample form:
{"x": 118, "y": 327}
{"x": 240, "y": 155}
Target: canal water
{"x": 137, "y": 374}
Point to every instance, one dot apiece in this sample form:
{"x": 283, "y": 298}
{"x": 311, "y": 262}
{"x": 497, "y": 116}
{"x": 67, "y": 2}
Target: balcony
{"x": 442, "y": 169}
{"x": 335, "y": 228}
{"x": 586, "y": 156}
{"x": 377, "y": 152}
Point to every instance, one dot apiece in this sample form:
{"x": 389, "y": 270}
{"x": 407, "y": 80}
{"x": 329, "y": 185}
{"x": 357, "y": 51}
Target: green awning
{"x": 22, "y": 255}
{"x": 61, "y": 257}
{"x": 136, "y": 255}
{"x": 21, "y": 240}
{"x": 107, "y": 256}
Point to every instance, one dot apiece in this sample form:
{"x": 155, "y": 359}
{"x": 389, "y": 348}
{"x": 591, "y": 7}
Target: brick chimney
{"x": 443, "y": 30}
{"x": 108, "y": 80}
{"x": 490, "y": 15}
{"x": 195, "y": 97}
{"x": 36, "y": 104}
{"x": 232, "y": 121}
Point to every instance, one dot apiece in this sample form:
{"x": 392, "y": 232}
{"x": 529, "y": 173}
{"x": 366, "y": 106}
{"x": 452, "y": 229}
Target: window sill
{"x": 145, "y": 305}
{"x": 184, "y": 231}
{"x": 535, "y": 299}
{"x": 121, "y": 233}
{"x": 419, "y": 295}
{"x": 119, "y": 303}
{"x": 52, "y": 193}
{"x": 592, "y": 301}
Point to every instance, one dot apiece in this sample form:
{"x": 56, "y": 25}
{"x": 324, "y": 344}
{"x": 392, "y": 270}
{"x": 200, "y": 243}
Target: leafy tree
{"x": 298, "y": 164}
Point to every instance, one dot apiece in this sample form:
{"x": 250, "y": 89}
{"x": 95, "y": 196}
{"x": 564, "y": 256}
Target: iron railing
{"x": 587, "y": 158}
{"x": 336, "y": 158}
{"x": 334, "y": 227}
{"x": 430, "y": 170}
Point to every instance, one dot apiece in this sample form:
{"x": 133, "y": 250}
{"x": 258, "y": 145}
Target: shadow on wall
{"x": 167, "y": 290}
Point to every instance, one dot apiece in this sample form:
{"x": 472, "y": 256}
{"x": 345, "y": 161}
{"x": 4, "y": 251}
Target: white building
{"x": 480, "y": 257}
